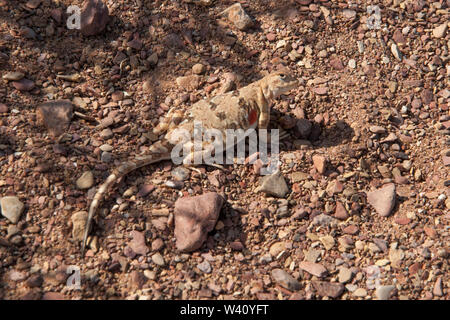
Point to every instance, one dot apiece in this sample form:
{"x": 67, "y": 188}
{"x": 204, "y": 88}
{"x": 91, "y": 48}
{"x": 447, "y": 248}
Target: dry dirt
{"x": 350, "y": 82}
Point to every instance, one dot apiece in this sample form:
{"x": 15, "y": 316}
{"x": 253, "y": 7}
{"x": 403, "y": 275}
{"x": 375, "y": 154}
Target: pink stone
{"x": 194, "y": 218}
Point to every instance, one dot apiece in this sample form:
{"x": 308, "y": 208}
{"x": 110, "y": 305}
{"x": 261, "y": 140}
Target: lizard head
{"x": 278, "y": 83}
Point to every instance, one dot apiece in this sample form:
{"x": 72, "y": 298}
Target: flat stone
{"x": 274, "y": 185}
{"x": 189, "y": 83}
{"x": 328, "y": 289}
{"x": 383, "y": 199}
{"x": 86, "y": 180}
{"x": 319, "y": 163}
{"x": 277, "y": 248}
{"x": 328, "y": 242}
{"x": 137, "y": 244}
{"x": 78, "y": 224}
{"x": 340, "y": 212}
{"x": 158, "y": 259}
{"x": 12, "y": 208}
{"x": 383, "y": 292}
{"x": 437, "y": 289}
{"x": 439, "y": 31}
{"x": 285, "y": 280}
{"x": 377, "y": 129}
{"x": 312, "y": 255}
{"x": 345, "y": 275}
{"x": 55, "y": 116}
{"x": 315, "y": 269}
{"x": 23, "y": 85}
{"x": 194, "y": 218}
{"x": 396, "y": 256}
{"x": 13, "y": 76}
{"x": 360, "y": 292}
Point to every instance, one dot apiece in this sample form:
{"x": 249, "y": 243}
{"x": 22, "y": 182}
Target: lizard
{"x": 244, "y": 108}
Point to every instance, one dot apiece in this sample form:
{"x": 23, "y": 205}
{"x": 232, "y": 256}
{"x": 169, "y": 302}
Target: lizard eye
{"x": 282, "y": 76}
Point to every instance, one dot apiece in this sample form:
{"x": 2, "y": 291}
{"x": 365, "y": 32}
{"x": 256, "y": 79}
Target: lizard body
{"x": 246, "y": 108}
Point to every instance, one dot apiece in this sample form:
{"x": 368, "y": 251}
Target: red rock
{"x": 321, "y": 91}
{"x": 315, "y": 269}
{"x": 351, "y": 229}
{"x": 340, "y": 212}
{"x": 383, "y": 199}
{"x": 402, "y": 221}
{"x": 145, "y": 190}
{"x": 23, "y": 85}
{"x": 55, "y": 116}
{"x": 336, "y": 64}
{"x": 271, "y": 36}
{"x": 431, "y": 232}
{"x": 237, "y": 245}
{"x": 194, "y": 218}
{"x": 437, "y": 289}
{"x": 3, "y": 108}
{"x": 137, "y": 244}
{"x": 94, "y": 17}
{"x": 446, "y": 160}
{"x": 319, "y": 163}
{"x": 398, "y": 37}
{"x": 427, "y": 96}
{"x": 157, "y": 244}
{"x": 414, "y": 268}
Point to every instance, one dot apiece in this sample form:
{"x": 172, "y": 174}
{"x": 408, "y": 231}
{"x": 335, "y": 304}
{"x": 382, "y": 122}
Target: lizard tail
{"x": 118, "y": 173}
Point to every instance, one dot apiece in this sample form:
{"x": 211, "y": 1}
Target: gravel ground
{"x": 367, "y": 162}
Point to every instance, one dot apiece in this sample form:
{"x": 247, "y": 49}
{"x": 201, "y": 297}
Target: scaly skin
{"x": 246, "y": 108}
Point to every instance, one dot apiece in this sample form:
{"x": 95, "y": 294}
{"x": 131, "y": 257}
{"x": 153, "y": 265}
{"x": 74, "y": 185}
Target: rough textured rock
{"x": 78, "y": 224}
{"x": 285, "y": 280}
{"x": 194, "y": 218}
{"x": 94, "y": 17}
{"x": 137, "y": 244}
{"x": 86, "y": 180}
{"x": 189, "y": 83}
{"x": 328, "y": 289}
{"x": 383, "y": 292}
{"x": 340, "y": 212}
{"x": 55, "y": 116}
{"x": 23, "y": 85}
{"x": 274, "y": 185}
{"x": 237, "y": 15}
{"x": 383, "y": 199}
{"x": 315, "y": 269}
{"x": 12, "y": 208}
{"x": 320, "y": 163}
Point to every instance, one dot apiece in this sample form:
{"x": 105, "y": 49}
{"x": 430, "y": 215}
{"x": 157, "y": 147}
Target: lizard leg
{"x": 171, "y": 120}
